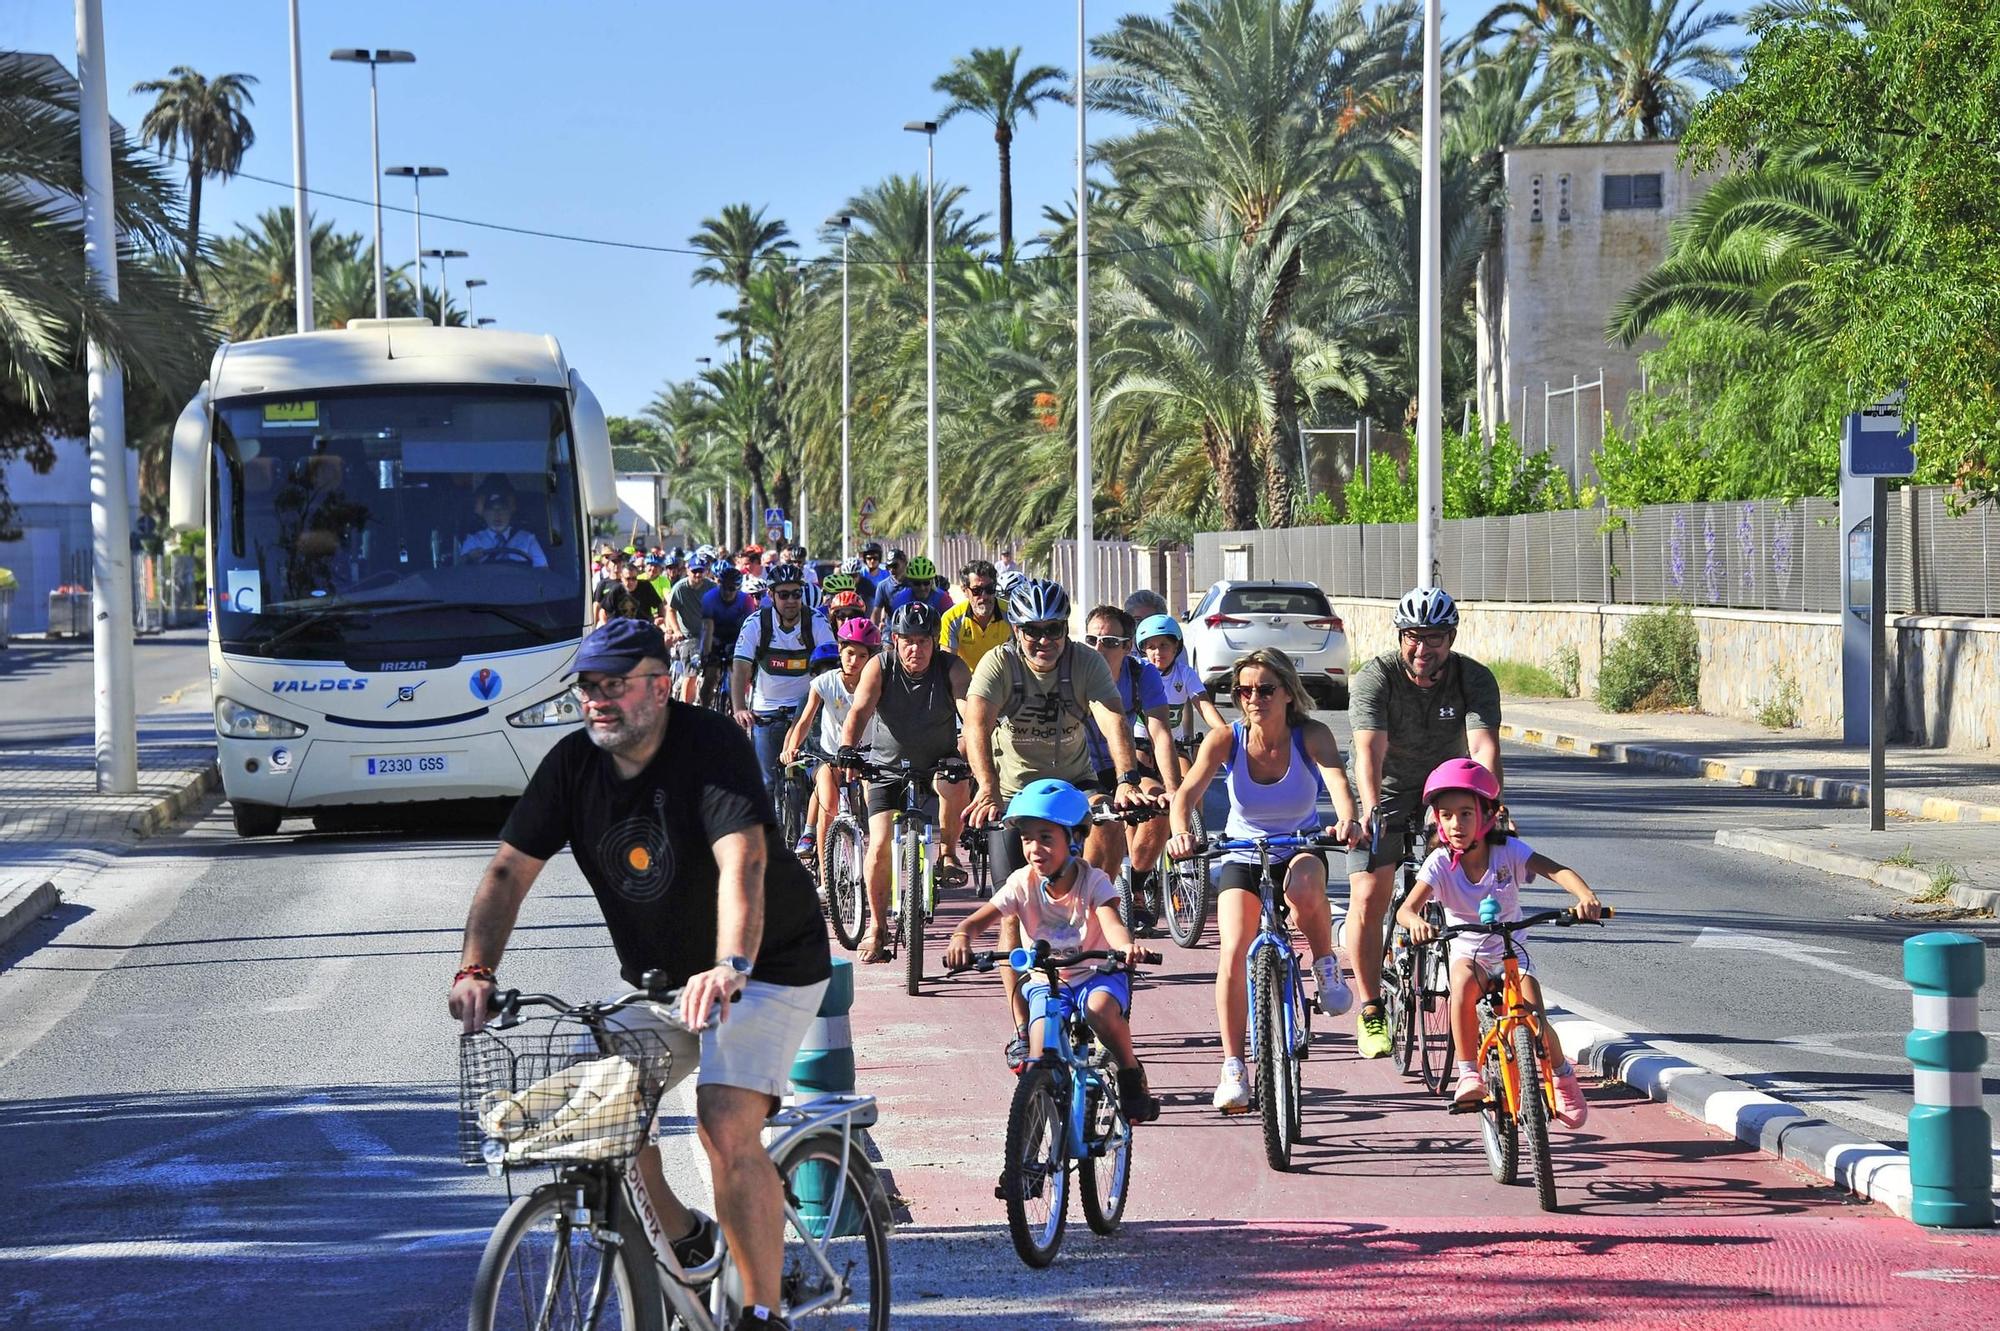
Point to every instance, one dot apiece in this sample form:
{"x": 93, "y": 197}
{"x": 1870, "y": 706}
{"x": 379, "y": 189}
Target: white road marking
{"x": 1805, "y": 954}
{"x": 1946, "y": 1275}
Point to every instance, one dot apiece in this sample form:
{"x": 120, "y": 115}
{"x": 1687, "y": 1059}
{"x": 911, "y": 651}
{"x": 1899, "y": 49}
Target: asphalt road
{"x": 45, "y": 686}
{"x": 226, "y": 1080}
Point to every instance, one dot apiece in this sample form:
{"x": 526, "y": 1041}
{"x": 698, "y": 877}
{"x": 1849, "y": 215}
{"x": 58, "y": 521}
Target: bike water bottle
{"x": 1489, "y": 911}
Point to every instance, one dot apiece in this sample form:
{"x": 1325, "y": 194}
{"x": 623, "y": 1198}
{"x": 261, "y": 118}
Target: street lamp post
{"x": 1086, "y": 519}
{"x": 302, "y": 264}
{"x": 928, "y": 128}
{"x": 357, "y": 55}
{"x": 846, "y": 225}
{"x": 417, "y": 175}
{"x": 443, "y": 257}
{"x": 1430, "y": 314}
{"x": 470, "y": 283}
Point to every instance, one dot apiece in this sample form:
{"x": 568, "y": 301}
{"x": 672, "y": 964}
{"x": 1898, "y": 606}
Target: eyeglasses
{"x": 1255, "y": 690}
{"x": 792, "y": 595}
{"x": 1044, "y": 629}
{"x": 1435, "y": 640}
{"x": 980, "y": 589}
{"x": 1110, "y": 640}
{"x": 612, "y": 686}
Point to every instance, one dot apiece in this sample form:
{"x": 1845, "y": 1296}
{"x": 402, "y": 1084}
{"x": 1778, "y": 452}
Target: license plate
{"x": 404, "y": 765}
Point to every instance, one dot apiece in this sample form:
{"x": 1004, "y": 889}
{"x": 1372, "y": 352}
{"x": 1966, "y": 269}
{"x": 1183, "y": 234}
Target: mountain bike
{"x": 792, "y": 794}
{"x": 714, "y": 693}
{"x": 1280, "y": 1018}
{"x": 1513, "y": 1057}
{"x": 1416, "y": 979}
{"x": 574, "y": 1092}
{"x": 843, "y": 866}
{"x": 978, "y": 848}
{"x": 913, "y": 866}
{"x": 1065, "y": 1114}
{"x": 1184, "y": 887}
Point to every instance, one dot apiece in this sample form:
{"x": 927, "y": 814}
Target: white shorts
{"x": 1487, "y": 950}
{"x": 753, "y": 1047}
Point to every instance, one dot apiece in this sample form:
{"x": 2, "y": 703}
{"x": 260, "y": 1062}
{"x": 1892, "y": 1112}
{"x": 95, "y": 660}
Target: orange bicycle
{"x": 1513, "y": 1057}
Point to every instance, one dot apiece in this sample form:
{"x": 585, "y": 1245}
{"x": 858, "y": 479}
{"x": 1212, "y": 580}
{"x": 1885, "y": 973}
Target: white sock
{"x": 1464, "y": 1067}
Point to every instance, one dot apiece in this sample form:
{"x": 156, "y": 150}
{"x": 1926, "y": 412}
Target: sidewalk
{"x": 1936, "y": 784}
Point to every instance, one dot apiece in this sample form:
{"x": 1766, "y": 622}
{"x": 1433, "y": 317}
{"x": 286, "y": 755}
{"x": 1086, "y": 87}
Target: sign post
{"x": 867, "y": 523}
{"x": 1875, "y": 447}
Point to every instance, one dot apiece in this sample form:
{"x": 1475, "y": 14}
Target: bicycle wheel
{"x": 1496, "y": 1126}
{"x": 836, "y": 1271}
{"x": 546, "y": 1269}
{"x": 1434, "y": 994}
{"x": 1274, "y": 1055}
{"x": 1397, "y": 1008}
{"x": 1035, "y": 1178}
{"x": 1107, "y": 1170}
{"x": 912, "y": 852}
{"x": 1184, "y": 883}
{"x": 846, "y": 886}
{"x": 791, "y": 806}
{"x": 1126, "y": 897}
{"x": 1534, "y": 1111}
{"x": 1302, "y": 1024}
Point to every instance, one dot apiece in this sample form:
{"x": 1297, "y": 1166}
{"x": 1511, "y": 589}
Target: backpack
{"x": 1017, "y": 671}
{"x": 766, "y": 625}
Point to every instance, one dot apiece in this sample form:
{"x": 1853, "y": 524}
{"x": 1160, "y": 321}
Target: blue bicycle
{"x": 1280, "y": 1018}
{"x": 1065, "y": 1112}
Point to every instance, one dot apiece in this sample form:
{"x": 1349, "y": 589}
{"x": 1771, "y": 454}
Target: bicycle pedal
{"x": 1476, "y": 1107}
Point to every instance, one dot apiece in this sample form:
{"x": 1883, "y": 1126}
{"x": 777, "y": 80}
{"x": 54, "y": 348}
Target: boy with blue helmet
{"x": 1062, "y": 899}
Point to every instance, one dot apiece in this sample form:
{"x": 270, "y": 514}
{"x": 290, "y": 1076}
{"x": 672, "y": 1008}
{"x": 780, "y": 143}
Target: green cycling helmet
{"x": 919, "y": 569}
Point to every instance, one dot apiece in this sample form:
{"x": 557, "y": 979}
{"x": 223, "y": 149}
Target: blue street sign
{"x": 1878, "y": 443}
{"x": 774, "y": 517}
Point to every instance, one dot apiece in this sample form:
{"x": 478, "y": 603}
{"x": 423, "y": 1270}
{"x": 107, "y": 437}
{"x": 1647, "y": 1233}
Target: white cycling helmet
{"x": 1426, "y": 608}
{"x": 1037, "y": 601}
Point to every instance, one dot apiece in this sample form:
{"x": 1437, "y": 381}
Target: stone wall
{"x": 1944, "y": 673}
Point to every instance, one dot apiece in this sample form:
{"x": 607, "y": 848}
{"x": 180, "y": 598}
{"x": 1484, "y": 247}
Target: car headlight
{"x": 561, "y": 710}
{"x": 235, "y": 721}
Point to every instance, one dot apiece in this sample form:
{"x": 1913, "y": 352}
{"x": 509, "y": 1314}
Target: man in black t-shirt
{"x": 664, "y": 810}
{"x": 631, "y": 597}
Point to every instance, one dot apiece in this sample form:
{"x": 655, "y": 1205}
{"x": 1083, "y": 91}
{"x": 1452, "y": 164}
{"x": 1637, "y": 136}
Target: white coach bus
{"x": 398, "y": 521}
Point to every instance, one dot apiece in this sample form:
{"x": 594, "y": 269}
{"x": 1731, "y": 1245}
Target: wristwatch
{"x": 740, "y": 964}
{"x": 1131, "y": 778}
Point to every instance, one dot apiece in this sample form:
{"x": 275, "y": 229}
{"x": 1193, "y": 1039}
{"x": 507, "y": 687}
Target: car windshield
{"x": 1274, "y": 601}
{"x": 363, "y": 523}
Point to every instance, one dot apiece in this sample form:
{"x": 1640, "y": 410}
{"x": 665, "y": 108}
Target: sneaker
{"x": 804, "y": 848}
{"x": 1334, "y": 995}
{"x": 1232, "y": 1090}
{"x": 1571, "y": 1107}
{"x": 1371, "y": 1031}
{"x": 1468, "y": 1090}
{"x": 748, "y": 1320}
{"x": 698, "y": 1249}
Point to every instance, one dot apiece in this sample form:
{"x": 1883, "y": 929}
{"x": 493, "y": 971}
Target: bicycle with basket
{"x": 574, "y": 1092}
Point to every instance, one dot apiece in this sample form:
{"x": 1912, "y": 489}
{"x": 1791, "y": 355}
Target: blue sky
{"x": 608, "y": 118}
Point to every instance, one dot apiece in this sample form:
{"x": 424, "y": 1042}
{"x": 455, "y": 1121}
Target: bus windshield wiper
{"x": 318, "y": 616}
{"x": 512, "y": 616}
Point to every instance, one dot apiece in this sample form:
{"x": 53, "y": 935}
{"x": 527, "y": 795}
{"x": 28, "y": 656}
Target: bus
{"x": 397, "y": 519}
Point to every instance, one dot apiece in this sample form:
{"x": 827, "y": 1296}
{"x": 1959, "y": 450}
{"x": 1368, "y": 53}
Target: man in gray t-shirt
{"x": 1411, "y": 709}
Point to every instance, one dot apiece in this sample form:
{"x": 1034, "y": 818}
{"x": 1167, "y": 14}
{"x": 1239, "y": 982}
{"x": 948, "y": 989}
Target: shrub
{"x": 1780, "y": 711}
{"x": 1655, "y": 663}
{"x": 1521, "y": 680}
{"x": 1568, "y": 671}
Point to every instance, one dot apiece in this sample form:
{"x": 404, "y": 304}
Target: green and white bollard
{"x": 825, "y": 1066}
{"x": 1951, "y": 1138}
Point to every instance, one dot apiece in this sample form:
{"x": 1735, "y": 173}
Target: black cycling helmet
{"x": 916, "y": 619}
{"x": 784, "y": 573}
{"x": 872, "y": 548}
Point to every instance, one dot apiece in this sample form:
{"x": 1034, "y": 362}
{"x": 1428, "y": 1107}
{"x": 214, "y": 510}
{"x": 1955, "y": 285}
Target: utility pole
{"x": 1085, "y": 591}
{"x": 302, "y": 264}
{"x": 1430, "y": 315}
{"x": 117, "y": 734}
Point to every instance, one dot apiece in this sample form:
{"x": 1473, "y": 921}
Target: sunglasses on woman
{"x": 1255, "y": 690}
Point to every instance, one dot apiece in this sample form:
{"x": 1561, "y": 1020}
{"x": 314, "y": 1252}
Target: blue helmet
{"x": 1157, "y": 626}
{"x": 1053, "y": 801}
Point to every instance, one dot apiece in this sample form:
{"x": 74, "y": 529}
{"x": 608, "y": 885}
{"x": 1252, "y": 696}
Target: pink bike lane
{"x": 1388, "y": 1217}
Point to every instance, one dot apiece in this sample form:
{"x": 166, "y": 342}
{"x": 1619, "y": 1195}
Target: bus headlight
{"x": 235, "y": 721}
{"x": 561, "y": 710}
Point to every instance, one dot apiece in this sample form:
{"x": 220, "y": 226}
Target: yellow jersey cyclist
{"x": 1275, "y": 762}
{"x": 1411, "y": 709}
{"x": 976, "y": 625}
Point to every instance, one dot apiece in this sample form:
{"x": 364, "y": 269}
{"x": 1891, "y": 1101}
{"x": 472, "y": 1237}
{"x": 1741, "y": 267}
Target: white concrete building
{"x": 1582, "y": 223}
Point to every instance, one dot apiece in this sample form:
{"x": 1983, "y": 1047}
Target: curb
{"x": 1804, "y": 785}
{"x": 23, "y": 906}
{"x": 164, "y": 811}
{"x": 1895, "y": 877}
{"x": 1865, "y": 1167}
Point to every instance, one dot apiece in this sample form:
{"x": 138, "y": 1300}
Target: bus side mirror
{"x": 187, "y": 482}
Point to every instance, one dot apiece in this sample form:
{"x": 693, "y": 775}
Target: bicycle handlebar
{"x": 1134, "y": 813}
{"x": 952, "y": 768}
{"x": 1290, "y": 841}
{"x": 507, "y": 1005}
{"x": 1563, "y": 918}
{"x": 1041, "y": 957}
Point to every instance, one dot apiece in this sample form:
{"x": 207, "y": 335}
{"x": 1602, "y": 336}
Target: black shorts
{"x": 887, "y": 796}
{"x": 1399, "y": 813}
{"x": 1003, "y": 843}
{"x": 1107, "y": 779}
{"x": 1244, "y": 877}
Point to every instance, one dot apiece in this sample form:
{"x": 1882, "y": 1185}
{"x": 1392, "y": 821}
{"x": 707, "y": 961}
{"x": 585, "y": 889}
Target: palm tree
{"x": 252, "y": 281}
{"x": 736, "y": 244}
{"x": 204, "y": 120}
{"x": 985, "y": 83}
{"x": 1640, "y": 60}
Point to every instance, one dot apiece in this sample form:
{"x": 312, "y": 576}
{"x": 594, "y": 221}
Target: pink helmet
{"x": 860, "y": 630}
{"x": 1461, "y": 774}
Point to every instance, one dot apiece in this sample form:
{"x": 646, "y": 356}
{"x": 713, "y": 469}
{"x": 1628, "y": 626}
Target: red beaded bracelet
{"x": 473, "y": 972}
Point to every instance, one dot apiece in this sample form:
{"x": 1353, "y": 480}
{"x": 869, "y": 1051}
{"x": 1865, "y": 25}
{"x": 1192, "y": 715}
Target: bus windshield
{"x": 367, "y": 524}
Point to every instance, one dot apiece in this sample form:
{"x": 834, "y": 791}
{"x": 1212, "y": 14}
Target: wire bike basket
{"x": 554, "y": 1090}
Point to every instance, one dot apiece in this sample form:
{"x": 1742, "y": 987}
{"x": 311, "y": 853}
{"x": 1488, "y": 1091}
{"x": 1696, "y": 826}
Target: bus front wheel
{"x": 255, "y": 819}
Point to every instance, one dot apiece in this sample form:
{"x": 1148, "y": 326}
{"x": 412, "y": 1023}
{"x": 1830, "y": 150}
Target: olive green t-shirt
{"x": 1424, "y": 726}
{"x": 1043, "y": 738}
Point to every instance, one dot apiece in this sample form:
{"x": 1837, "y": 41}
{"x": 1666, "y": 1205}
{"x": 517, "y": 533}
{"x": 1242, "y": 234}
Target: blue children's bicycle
{"x": 1065, "y": 1112}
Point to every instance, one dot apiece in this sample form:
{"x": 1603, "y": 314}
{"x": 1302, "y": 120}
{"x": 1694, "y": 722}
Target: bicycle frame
{"x": 1060, "y": 1015}
{"x": 1513, "y": 1010}
{"x": 1273, "y": 931}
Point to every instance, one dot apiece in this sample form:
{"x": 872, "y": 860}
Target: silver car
{"x": 1234, "y": 619}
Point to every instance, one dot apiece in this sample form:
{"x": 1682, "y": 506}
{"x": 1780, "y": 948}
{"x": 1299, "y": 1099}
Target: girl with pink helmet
{"x": 1478, "y": 859}
{"x": 828, "y": 701}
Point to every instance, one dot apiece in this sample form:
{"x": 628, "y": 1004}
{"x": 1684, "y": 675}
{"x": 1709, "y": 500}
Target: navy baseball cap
{"x": 619, "y": 646}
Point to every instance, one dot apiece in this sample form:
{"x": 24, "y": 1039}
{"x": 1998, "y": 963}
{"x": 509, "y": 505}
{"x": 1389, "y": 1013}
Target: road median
{"x": 1928, "y": 863}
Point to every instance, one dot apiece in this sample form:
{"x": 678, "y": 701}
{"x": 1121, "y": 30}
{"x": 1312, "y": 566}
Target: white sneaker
{"x": 1334, "y": 995}
{"x": 1232, "y": 1092}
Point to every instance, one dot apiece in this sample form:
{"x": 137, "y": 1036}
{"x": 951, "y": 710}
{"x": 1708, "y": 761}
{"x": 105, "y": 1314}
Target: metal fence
{"x": 1121, "y": 567}
{"x": 1750, "y": 554}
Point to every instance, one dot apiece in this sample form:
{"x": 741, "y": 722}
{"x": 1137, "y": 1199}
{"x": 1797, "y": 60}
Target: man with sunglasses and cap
{"x": 500, "y": 541}
{"x": 663, "y": 809}
{"x": 773, "y": 666}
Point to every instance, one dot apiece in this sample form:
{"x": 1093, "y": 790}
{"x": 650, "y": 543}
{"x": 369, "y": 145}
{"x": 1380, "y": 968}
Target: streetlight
{"x": 928, "y": 128}
{"x": 470, "y": 283}
{"x": 302, "y": 264}
{"x": 1085, "y": 590}
{"x": 487, "y": 321}
{"x": 444, "y": 278}
{"x": 417, "y": 175}
{"x": 1430, "y": 315}
{"x": 846, "y": 225}
{"x": 359, "y": 55}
